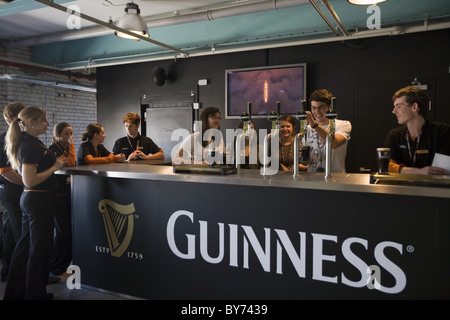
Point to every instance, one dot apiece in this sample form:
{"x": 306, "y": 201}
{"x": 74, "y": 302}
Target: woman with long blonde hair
{"x": 29, "y": 271}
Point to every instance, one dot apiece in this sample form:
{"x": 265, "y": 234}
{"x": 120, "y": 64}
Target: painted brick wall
{"x": 79, "y": 108}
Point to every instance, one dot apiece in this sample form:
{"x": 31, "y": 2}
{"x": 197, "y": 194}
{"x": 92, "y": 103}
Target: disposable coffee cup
{"x": 383, "y": 156}
{"x": 305, "y": 155}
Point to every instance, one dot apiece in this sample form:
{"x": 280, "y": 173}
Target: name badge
{"x": 402, "y": 146}
{"x": 422, "y": 151}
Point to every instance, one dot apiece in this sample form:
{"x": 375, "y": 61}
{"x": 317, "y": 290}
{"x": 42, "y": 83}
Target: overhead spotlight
{"x": 365, "y": 2}
{"x": 132, "y": 21}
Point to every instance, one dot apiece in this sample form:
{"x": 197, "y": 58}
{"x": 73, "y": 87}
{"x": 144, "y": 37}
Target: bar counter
{"x": 142, "y": 230}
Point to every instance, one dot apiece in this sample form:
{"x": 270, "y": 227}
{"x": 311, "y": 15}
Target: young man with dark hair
{"x": 317, "y": 131}
{"x": 414, "y": 143}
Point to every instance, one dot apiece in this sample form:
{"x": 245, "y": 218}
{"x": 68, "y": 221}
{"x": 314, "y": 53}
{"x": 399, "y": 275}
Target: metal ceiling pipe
{"x": 389, "y": 31}
{"x": 335, "y": 17}
{"x": 110, "y": 25}
{"x": 48, "y": 69}
{"x": 320, "y": 12}
{"x": 207, "y": 15}
{"x": 13, "y": 77}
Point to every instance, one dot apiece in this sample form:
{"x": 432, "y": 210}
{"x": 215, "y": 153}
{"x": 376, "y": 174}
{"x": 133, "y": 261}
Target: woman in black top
{"x": 11, "y": 187}
{"x": 30, "y": 263}
{"x": 92, "y": 150}
{"x": 63, "y": 146}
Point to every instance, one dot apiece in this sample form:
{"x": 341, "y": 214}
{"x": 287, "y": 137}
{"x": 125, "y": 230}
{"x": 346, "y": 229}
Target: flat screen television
{"x": 263, "y": 87}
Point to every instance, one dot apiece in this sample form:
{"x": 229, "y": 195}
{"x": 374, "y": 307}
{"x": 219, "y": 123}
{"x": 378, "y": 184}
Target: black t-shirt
{"x": 33, "y": 152}
{"x": 435, "y": 138}
{"x": 128, "y": 145}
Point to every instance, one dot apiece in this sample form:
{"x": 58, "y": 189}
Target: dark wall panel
{"x": 340, "y": 67}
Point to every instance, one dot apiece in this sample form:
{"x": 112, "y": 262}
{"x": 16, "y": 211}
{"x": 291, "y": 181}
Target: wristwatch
{"x": 314, "y": 125}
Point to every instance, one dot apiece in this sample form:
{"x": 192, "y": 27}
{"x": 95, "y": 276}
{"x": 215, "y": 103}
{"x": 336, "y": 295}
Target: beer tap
{"x": 246, "y": 118}
{"x": 330, "y": 115}
{"x": 273, "y": 117}
{"x": 301, "y": 116}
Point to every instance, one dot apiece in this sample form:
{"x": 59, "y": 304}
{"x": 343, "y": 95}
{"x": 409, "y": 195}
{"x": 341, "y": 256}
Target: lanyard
{"x": 137, "y": 146}
{"x": 412, "y": 156}
{"x": 64, "y": 151}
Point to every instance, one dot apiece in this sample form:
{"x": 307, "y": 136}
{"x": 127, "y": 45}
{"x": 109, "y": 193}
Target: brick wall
{"x": 78, "y": 108}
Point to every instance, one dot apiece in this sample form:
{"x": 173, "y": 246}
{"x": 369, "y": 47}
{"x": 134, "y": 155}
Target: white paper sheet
{"x": 442, "y": 161}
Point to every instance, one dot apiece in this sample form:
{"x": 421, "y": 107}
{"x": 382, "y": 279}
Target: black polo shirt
{"x": 34, "y": 153}
{"x": 435, "y": 138}
{"x": 86, "y": 148}
{"x": 128, "y": 145}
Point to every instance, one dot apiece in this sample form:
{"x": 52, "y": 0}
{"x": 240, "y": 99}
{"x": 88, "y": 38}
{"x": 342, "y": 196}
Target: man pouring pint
{"x": 414, "y": 143}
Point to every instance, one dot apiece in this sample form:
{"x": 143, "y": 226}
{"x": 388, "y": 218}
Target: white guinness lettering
{"x": 283, "y": 243}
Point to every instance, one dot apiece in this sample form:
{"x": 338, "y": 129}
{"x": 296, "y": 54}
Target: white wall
{"x": 78, "y": 108}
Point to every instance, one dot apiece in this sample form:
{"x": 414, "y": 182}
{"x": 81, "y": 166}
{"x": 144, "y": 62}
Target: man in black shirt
{"x": 414, "y": 144}
{"x": 135, "y": 146}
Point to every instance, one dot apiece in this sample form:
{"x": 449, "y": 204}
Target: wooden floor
{"x": 62, "y": 292}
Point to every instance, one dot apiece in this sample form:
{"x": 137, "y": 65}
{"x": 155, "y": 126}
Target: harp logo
{"x": 119, "y": 223}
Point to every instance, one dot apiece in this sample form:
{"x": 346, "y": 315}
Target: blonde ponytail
{"x": 12, "y": 139}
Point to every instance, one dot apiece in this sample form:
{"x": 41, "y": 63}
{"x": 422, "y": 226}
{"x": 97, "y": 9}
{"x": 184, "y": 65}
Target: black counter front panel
{"x": 213, "y": 241}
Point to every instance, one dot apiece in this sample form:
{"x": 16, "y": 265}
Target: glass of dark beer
{"x": 383, "y": 156}
{"x": 304, "y": 160}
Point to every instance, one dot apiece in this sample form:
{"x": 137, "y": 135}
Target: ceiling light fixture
{"x": 365, "y": 2}
{"x": 132, "y": 21}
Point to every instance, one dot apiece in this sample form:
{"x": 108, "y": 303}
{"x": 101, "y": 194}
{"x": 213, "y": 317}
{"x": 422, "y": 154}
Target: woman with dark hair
{"x": 199, "y": 143}
{"x": 63, "y": 146}
{"x": 92, "y": 150}
{"x": 29, "y": 271}
{"x": 287, "y": 133}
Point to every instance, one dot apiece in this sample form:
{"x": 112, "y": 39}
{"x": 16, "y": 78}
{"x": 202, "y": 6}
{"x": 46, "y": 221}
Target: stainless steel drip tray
{"x": 203, "y": 169}
{"x": 411, "y": 179}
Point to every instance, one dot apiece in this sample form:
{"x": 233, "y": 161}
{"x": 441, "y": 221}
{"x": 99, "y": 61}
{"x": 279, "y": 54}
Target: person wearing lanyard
{"x": 29, "y": 271}
{"x": 134, "y": 146}
{"x": 414, "y": 143}
{"x": 92, "y": 150}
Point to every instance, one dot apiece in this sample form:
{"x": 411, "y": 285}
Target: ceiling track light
{"x": 110, "y": 25}
{"x": 132, "y": 21}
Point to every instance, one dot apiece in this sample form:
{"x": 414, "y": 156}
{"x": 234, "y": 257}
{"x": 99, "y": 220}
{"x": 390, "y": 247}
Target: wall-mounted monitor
{"x": 263, "y": 87}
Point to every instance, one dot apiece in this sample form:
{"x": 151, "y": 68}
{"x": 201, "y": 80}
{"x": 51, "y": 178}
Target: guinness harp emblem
{"x": 119, "y": 224}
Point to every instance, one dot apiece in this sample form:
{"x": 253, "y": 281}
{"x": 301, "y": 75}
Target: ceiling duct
{"x": 13, "y": 77}
{"x": 208, "y": 15}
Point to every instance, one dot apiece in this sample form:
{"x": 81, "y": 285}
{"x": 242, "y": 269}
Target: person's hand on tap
{"x": 310, "y": 118}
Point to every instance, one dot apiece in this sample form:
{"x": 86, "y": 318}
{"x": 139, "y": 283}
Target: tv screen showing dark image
{"x": 264, "y": 87}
